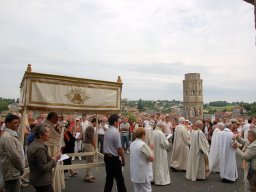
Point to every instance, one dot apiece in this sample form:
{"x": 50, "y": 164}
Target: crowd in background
{"x": 164, "y": 137}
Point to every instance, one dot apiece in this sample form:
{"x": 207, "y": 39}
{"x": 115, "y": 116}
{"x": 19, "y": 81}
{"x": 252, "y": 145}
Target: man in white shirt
{"x": 140, "y": 163}
{"x": 84, "y": 123}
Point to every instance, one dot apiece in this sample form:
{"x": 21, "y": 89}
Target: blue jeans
{"x": 125, "y": 140}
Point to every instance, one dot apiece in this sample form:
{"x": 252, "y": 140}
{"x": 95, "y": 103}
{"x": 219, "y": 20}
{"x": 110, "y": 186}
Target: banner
{"x": 51, "y": 92}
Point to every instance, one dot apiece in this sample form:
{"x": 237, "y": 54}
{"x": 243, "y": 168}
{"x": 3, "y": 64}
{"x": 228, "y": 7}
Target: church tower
{"x": 193, "y": 96}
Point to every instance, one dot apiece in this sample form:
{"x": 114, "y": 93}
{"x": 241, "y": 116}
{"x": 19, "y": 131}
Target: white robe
{"x": 180, "y": 148}
{"x": 197, "y": 167}
{"x": 161, "y": 172}
{"x": 228, "y": 167}
{"x": 214, "y": 164}
{"x": 148, "y": 135}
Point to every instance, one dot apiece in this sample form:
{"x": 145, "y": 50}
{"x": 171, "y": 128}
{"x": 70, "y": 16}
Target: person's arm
{"x": 147, "y": 152}
{"x": 13, "y": 155}
{"x": 94, "y": 142}
{"x": 185, "y": 137}
{"x": 248, "y": 154}
{"x": 44, "y": 165}
{"x": 240, "y": 140}
{"x": 120, "y": 152}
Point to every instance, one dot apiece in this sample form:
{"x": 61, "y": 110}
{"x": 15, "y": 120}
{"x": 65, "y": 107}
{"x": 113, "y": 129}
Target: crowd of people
{"x": 154, "y": 143}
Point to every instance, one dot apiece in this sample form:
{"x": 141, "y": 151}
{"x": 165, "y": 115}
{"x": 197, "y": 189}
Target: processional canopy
{"x": 46, "y": 92}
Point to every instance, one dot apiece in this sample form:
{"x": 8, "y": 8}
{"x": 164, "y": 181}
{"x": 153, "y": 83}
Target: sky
{"x": 151, "y": 44}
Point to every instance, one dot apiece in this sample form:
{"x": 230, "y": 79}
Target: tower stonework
{"x": 193, "y": 96}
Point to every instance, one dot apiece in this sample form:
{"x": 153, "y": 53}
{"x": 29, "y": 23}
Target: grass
{"x": 228, "y": 107}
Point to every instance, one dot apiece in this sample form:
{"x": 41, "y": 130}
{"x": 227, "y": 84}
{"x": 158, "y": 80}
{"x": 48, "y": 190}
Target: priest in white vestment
{"x": 161, "y": 172}
{"x": 148, "y": 135}
{"x": 180, "y": 148}
{"x": 141, "y": 157}
{"x": 198, "y": 164}
{"x": 54, "y": 144}
{"x": 214, "y": 162}
{"x": 228, "y": 167}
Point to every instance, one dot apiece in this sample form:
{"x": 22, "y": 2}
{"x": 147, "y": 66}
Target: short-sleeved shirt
{"x": 146, "y": 150}
{"x": 112, "y": 141}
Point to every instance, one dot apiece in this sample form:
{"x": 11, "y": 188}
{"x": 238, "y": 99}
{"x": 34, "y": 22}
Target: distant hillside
{"x": 4, "y": 103}
{"x": 163, "y": 106}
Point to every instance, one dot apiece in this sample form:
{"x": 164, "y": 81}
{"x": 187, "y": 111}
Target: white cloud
{"x": 150, "y": 41}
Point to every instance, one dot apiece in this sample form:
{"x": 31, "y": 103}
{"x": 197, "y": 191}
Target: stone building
{"x": 193, "y": 96}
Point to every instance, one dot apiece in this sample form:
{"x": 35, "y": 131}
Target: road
{"x": 179, "y": 183}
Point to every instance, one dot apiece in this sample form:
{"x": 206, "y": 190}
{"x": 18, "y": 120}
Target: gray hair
{"x": 221, "y": 125}
{"x": 229, "y": 125}
{"x": 181, "y": 120}
{"x": 199, "y": 122}
{"x": 40, "y": 130}
{"x": 253, "y": 132}
{"x": 160, "y": 125}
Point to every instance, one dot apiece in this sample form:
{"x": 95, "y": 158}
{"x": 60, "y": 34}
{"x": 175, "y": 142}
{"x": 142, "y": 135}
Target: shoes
{"x": 66, "y": 178}
{"x": 226, "y": 181}
{"x": 90, "y": 180}
{"x": 22, "y": 185}
{"x": 173, "y": 169}
{"x": 24, "y": 180}
{"x": 93, "y": 178}
{"x": 73, "y": 158}
{"x": 73, "y": 174}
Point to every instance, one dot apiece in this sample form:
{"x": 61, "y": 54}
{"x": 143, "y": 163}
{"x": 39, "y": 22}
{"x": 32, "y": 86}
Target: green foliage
{"x": 250, "y": 108}
{"x": 140, "y": 105}
{"x": 218, "y": 103}
{"x": 4, "y": 103}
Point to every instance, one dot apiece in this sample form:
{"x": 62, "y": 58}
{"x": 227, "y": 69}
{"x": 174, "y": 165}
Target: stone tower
{"x": 193, "y": 96}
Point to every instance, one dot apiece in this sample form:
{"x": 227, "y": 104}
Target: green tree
{"x": 140, "y": 105}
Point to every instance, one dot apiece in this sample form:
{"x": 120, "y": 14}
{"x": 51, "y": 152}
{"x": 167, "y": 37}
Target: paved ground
{"x": 179, "y": 183}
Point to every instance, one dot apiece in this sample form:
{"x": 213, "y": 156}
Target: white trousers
{"x": 78, "y": 145}
{"x": 142, "y": 187}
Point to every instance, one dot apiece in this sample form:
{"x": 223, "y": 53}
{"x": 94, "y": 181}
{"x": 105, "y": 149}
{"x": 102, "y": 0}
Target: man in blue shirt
{"x": 113, "y": 151}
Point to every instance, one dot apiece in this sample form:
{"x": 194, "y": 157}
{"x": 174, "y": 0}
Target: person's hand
{"x": 235, "y": 145}
{"x": 235, "y": 136}
{"x": 57, "y": 157}
{"x": 151, "y": 146}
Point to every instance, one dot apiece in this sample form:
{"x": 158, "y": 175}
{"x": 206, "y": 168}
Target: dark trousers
{"x": 101, "y": 142}
{"x": 46, "y": 188}
{"x": 12, "y": 185}
{"x": 114, "y": 170}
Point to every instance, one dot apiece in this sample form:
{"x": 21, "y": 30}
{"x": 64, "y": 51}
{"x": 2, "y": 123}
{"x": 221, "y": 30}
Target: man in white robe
{"x": 228, "y": 167}
{"x": 214, "y": 164}
{"x": 180, "y": 148}
{"x": 198, "y": 164}
{"x": 161, "y": 172}
{"x": 141, "y": 158}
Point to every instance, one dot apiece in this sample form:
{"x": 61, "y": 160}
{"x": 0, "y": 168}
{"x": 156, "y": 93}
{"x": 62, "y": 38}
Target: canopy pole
{"x": 97, "y": 127}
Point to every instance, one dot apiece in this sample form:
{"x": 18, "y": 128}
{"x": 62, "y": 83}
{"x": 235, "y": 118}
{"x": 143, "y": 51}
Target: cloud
{"x": 151, "y": 44}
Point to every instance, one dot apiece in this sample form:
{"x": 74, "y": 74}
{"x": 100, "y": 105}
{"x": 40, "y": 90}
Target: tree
{"x": 140, "y": 105}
